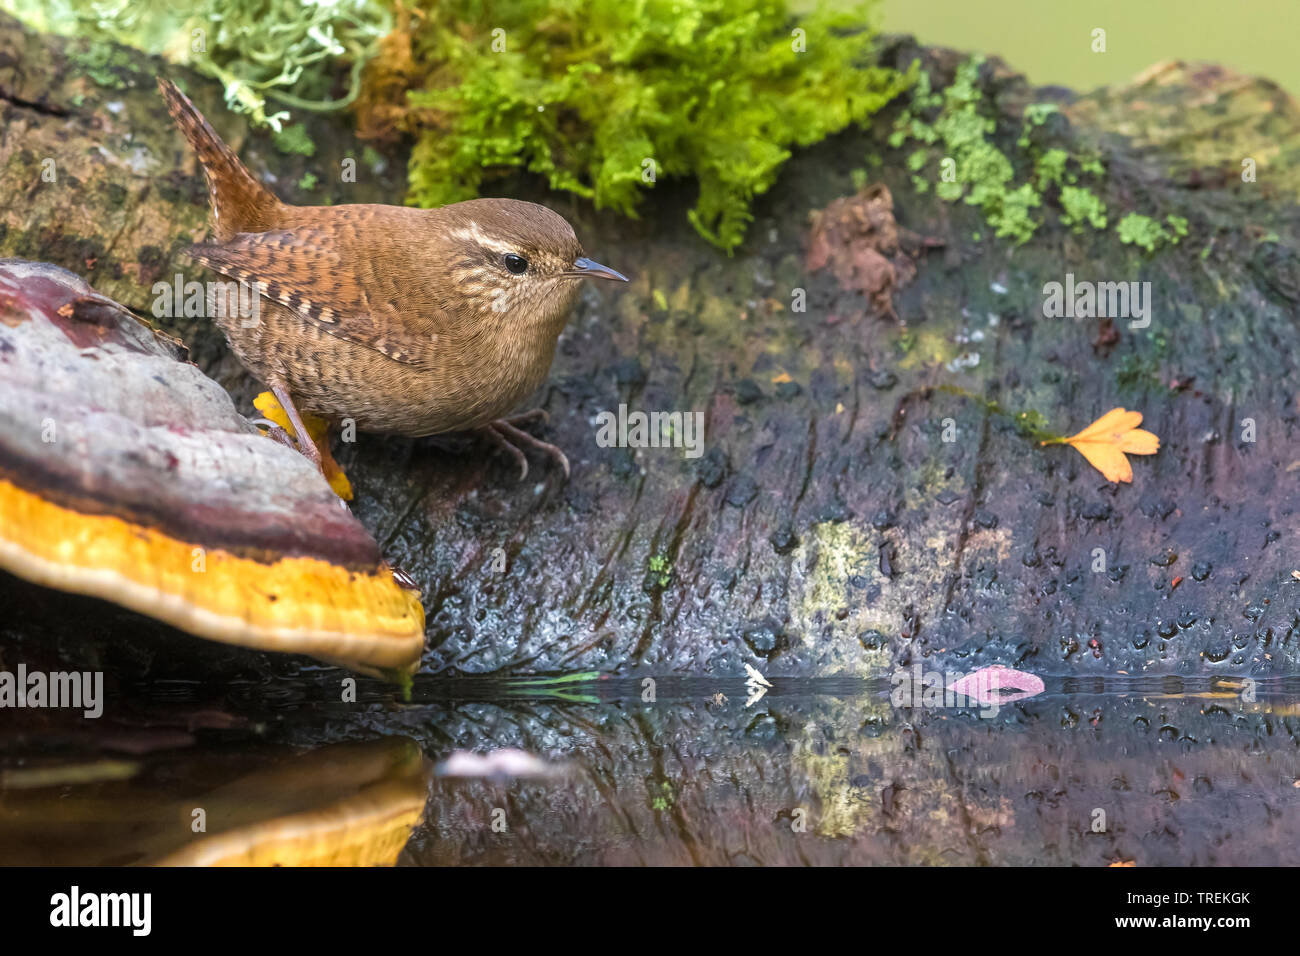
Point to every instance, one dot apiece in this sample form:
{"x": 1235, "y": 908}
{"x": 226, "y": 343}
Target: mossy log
{"x": 828, "y": 528}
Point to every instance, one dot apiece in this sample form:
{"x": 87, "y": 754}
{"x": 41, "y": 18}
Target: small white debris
{"x": 965, "y": 360}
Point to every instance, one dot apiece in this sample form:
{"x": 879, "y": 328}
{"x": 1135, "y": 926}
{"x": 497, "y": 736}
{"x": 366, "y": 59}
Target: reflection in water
{"x": 816, "y": 773}
{"x": 1090, "y": 773}
{"x": 341, "y": 805}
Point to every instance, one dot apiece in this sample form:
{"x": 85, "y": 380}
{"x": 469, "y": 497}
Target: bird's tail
{"x": 239, "y": 202}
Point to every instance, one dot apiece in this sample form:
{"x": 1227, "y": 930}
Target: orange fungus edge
{"x": 298, "y": 605}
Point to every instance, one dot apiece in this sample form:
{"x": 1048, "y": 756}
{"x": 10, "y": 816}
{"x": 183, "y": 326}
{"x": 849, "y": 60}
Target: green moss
{"x": 1012, "y": 218}
{"x": 1139, "y": 230}
{"x": 661, "y": 569}
{"x": 971, "y": 167}
{"x": 949, "y": 190}
{"x": 1049, "y": 168}
{"x": 294, "y": 140}
{"x": 1032, "y": 425}
{"x": 102, "y": 62}
{"x": 1137, "y": 373}
{"x": 1035, "y": 115}
{"x": 662, "y": 796}
{"x": 603, "y": 98}
{"x": 960, "y": 135}
{"x": 1092, "y": 167}
{"x": 1081, "y": 206}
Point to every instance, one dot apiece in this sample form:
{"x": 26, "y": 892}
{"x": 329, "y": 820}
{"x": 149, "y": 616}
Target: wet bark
{"x": 827, "y": 528}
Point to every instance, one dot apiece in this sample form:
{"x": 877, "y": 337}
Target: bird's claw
{"x": 504, "y": 434}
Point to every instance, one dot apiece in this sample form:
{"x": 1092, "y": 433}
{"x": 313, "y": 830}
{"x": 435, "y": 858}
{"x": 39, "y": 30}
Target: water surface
{"x": 1094, "y": 773}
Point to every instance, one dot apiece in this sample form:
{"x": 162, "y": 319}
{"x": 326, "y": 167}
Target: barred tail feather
{"x": 239, "y": 202}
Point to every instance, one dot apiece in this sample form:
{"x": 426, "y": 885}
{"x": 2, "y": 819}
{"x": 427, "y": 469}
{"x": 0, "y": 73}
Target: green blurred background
{"x": 1050, "y": 40}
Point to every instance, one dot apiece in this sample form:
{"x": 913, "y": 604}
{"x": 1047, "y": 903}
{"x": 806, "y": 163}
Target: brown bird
{"x": 407, "y": 321}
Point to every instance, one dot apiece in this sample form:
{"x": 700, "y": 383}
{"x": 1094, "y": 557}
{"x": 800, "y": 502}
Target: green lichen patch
{"x": 1080, "y": 206}
{"x": 953, "y": 129}
{"x": 1147, "y": 233}
{"x": 956, "y": 145}
{"x": 264, "y": 54}
{"x": 294, "y": 139}
{"x": 659, "y": 571}
{"x": 106, "y": 64}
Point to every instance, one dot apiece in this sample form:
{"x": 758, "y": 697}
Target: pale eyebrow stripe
{"x": 473, "y": 233}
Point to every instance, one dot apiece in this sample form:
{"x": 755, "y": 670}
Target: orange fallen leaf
{"x": 1107, "y": 440}
{"x": 781, "y": 379}
{"x": 1123, "y": 863}
{"x": 318, "y": 432}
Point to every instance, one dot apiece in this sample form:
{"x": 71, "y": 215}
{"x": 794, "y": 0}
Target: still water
{"x": 816, "y": 771}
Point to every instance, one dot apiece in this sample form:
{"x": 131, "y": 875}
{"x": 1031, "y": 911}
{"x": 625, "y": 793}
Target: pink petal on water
{"x": 498, "y": 763}
{"x": 984, "y": 685}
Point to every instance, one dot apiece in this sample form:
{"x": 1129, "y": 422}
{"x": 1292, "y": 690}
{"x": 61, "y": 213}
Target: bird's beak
{"x": 584, "y": 268}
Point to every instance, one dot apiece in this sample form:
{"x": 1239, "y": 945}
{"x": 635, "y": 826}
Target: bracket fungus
{"x": 128, "y": 475}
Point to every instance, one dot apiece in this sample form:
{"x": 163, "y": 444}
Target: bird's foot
{"x": 526, "y": 418}
{"x": 275, "y": 432}
{"x": 301, "y": 435}
{"x": 308, "y": 434}
{"x": 506, "y": 436}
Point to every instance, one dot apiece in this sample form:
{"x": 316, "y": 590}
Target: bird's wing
{"x": 322, "y": 280}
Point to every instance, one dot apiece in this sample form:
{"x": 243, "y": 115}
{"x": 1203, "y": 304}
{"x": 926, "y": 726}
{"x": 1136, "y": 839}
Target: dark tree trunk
{"x": 828, "y": 528}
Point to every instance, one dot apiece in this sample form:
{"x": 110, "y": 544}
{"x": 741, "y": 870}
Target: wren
{"x": 408, "y": 321}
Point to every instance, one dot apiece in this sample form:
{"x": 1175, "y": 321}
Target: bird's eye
{"x": 517, "y": 265}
